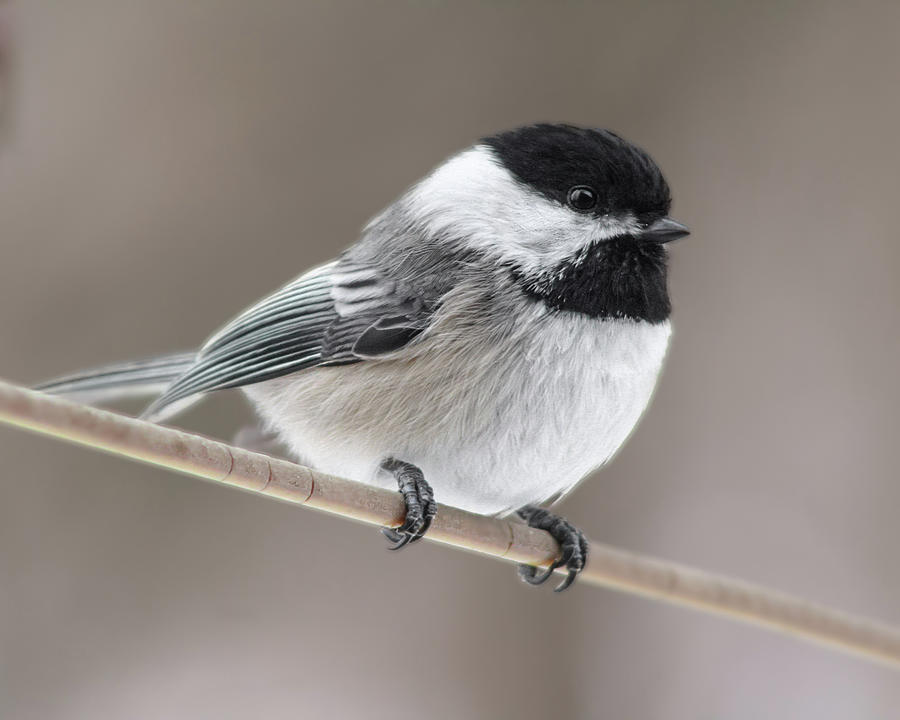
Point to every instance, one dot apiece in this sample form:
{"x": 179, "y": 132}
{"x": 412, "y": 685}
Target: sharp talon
{"x": 399, "y": 537}
{"x": 417, "y": 529}
{"x": 570, "y": 578}
{"x": 424, "y": 528}
{"x": 401, "y": 543}
{"x": 419, "y": 500}
{"x": 529, "y": 573}
{"x": 573, "y": 547}
{"x": 397, "y": 540}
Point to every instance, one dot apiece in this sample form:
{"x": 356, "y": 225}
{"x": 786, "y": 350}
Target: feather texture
{"x": 501, "y": 401}
{"x": 315, "y": 320}
{"x": 128, "y": 379}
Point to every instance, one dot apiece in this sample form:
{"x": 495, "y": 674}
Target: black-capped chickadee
{"x": 492, "y": 338}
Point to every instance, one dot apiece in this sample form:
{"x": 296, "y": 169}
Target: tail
{"x": 114, "y": 382}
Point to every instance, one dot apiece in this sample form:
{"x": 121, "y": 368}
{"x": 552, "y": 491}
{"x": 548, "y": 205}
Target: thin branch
{"x": 511, "y": 541}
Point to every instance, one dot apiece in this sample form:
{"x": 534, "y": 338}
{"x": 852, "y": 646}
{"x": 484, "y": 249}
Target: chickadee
{"x": 492, "y": 338}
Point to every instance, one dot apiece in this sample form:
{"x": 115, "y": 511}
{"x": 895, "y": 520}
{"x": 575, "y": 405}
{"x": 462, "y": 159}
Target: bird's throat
{"x": 614, "y": 279}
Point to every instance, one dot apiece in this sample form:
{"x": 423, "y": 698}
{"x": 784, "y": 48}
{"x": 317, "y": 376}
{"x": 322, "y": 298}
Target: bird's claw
{"x": 573, "y": 547}
{"x": 420, "y": 505}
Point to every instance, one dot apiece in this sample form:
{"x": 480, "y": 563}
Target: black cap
{"x": 553, "y": 159}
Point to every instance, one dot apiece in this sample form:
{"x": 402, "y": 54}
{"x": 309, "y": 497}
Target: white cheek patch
{"x": 472, "y": 196}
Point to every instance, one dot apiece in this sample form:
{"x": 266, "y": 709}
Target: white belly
{"x": 492, "y": 426}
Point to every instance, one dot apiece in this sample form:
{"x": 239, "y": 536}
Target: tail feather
{"x": 114, "y": 382}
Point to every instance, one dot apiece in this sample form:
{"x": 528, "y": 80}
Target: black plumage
{"x": 552, "y": 159}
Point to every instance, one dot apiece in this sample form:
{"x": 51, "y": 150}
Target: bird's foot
{"x": 420, "y": 504}
{"x": 573, "y": 546}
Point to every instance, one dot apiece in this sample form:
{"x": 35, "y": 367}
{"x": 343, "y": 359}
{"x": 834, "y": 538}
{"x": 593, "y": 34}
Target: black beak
{"x": 663, "y": 230}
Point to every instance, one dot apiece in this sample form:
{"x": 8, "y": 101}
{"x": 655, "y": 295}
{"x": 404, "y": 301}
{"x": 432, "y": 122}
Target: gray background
{"x": 166, "y": 163}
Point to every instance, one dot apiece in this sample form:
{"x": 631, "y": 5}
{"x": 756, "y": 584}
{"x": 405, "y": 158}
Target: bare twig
{"x": 512, "y": 541}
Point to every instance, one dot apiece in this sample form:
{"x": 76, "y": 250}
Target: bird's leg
{"x": 573, "y": 546}
{"x": 419, "y": 499}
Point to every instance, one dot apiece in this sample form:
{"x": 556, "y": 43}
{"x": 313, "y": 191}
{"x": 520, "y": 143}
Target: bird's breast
{"x": 495, "y": 420}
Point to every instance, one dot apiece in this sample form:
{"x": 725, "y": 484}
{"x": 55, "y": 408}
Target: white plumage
{"x": 493, "y": 422}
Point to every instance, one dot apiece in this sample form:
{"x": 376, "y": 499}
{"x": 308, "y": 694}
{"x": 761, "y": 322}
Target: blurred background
{"x": 163, "y": 164}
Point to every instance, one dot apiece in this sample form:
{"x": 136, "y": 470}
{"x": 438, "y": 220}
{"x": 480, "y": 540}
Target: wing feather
{"x": 318, "y": 319}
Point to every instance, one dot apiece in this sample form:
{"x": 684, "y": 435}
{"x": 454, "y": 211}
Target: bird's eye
{"x": 582, "y": 198}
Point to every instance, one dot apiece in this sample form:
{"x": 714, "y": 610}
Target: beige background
{"x": 165, "y": 163}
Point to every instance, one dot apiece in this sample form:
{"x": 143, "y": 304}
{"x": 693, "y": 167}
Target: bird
{"x": 491, "y": 338}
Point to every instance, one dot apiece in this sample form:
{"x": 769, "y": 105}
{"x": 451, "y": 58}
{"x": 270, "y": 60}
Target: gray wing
{"x": 342, "y": 312}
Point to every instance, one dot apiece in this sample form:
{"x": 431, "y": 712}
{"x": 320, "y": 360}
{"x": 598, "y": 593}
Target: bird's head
{"x": 578, "y": 216}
